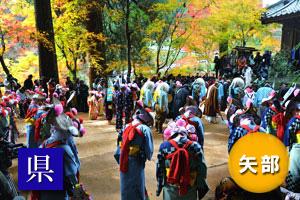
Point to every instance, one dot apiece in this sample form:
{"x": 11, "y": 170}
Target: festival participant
{"x": 180, "y": 99}
{"x": 236, "y": 87}
{"x": 248, "y": 75}
{"x": 221, "y": 92}
{"x": 181, "y": 169}
{"x": 108, "y": 101}
{"x": 37, "y": 101}
{"x": 192, "y": 117}
{"x": 147, "y": 94}
{"x": 246, "y": 126}
{"x": 130, "y": 99}
{"x": 21, "y": 93}
{"x": 136, "y": 148}
{"x": 93, "y": 105}
{"x": 161, "y": 106}
{"x": 84, "y": 93}
{"x": 199, "y": 90}
{"x": 211, "y": 105}
{"x": 100, "y": 97}
{"x": 119, "y": 101}
{"x": 292, "y": 139}
{"x": 62, "y": 133}
{"x": 274, "y": 119}
{"x": 249, "y": 94}
{"x": 266, "y": 93}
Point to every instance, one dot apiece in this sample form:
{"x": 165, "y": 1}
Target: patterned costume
{"x": 128, "y": 105}
{"x": 192, "y": 181}
{"x": 136, "y": 148}
{"x": 93, "y": 107}
{"x": 119, "y": 100}
{"x": 292, "y": 138}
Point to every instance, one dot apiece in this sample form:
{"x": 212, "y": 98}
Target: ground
{"x": 100, "y": 173}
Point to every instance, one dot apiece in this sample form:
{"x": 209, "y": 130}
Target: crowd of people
{"x": 145, "y": 105}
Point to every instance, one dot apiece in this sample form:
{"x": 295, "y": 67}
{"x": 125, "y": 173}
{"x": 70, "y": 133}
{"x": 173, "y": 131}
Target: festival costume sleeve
{"x": 160, "y": 170}
{"x": 220, "y": 91}
{"x": 149, "y": 147}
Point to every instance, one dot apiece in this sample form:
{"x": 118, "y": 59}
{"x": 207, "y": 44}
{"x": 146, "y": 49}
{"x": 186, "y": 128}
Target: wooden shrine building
{"x": 287, "y": 13}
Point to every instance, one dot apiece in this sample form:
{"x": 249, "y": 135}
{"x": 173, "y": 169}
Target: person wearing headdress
{"x": 292, "y": 139}
{"x": 62, "y": 132}
{"x": 161, "y": 106}
{"x": 136, "y": 148}
{"x": 245, "y": 126}
{"x": 199, "y": 90}
{"x": 180, "y": 169}
{"x": 192, "y": 115}
{"x": 237, "y": 85}
{"x": 93, "y": 105}
{"x": 37, "y": 101}
{"x": 211, "y": 104}
{"x": 263, "y": 93}
{"x": 274, "y": 119}
{"x": 147, "y": 93}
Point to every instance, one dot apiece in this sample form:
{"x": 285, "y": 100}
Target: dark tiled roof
{"x": 281, "y": 9}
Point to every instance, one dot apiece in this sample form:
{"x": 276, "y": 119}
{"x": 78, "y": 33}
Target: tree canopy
{"x": 119, "y": 35}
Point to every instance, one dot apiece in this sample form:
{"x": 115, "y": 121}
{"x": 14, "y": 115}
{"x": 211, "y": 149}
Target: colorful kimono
{"x": 240, "y": 132}
{"x": 292, "y": 138}
{"x": 30, "y": 120}
{"x": 93, "y": 107}
{"x": 196, "y": 178}
{"x": 141, "y": 148}
{"x": 71, "y": 162}
{"x": 100, "y": 104}
{"x": 261, "y": 93}
{"x": 119, "y": 100}
{"x": 161, "y": 109}
{"x": 108, "y": 103}
{"x": 198, "y": 124}
{"x": 128, "y": 105}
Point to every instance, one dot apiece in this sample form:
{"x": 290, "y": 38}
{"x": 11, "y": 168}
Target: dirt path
{"x": 99, "y": 170}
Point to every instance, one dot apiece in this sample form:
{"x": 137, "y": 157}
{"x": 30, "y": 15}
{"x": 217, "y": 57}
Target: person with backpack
{"x": 275, "y": 120}
{"x": 181, "y": 169}
{"x": 136, "y": 147}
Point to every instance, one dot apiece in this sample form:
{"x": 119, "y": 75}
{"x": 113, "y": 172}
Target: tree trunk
{"x": 5, "y": 68}
{"x": 47, "y": 54}
{"x": 96, "y": 52}
{"x": 128, "y": 37}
